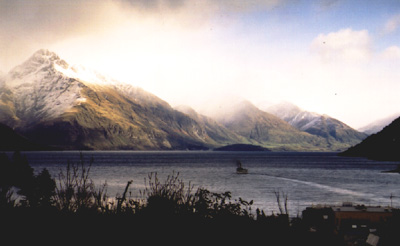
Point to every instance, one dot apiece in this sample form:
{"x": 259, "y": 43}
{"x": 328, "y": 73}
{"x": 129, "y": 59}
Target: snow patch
{"x": 45, "y": 86}
{"x": 86, "y": 75}
{"x": 40, "y": 90}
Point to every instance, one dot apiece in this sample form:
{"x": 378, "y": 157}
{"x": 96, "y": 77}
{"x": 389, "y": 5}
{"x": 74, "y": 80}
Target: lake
{"x": 306, "y": 178}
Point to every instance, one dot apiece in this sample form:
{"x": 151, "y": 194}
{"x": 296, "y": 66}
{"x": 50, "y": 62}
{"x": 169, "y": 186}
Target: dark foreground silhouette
{"x": 70, "y": 209}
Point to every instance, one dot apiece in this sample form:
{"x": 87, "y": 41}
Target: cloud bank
{"x": 343, "y": 45}
{"x": 315, "y": 54}
{"x": 391, "y": 53}
{"x": 26, "y": 26}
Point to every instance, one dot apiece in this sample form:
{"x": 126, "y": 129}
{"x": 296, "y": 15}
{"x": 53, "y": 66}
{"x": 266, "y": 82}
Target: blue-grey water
{"x": 306, "y": 178}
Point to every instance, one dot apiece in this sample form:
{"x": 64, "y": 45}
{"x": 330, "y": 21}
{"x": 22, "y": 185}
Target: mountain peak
{"x": 38, "y": 90}
{"x": 283, "y": 110}
{"x": 44, "y": 56}
{"x": 41, "y": 61}
{"x": 316, "y": 124}
{"x": 45, "y": 52}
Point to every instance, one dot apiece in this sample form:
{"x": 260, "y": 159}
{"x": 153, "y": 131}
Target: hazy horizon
{"x": 333, "y": 57}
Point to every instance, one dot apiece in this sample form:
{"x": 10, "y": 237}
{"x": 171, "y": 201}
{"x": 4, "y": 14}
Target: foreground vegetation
{"x": 70, "y": 207}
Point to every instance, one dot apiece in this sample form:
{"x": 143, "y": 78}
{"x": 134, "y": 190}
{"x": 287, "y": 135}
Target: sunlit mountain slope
{"x": 53, "y": 103}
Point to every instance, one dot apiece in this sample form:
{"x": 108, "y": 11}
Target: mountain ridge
{"x": 378, "y": 125}
{"x": 70, "y": 107}
{"x": 333, "y": 130}
{"x": 267, "y": 130}
{"x": 53, "y": 107}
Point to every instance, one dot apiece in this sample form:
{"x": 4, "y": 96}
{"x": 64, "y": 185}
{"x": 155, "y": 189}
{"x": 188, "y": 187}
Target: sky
{"x": 335, "y": 57}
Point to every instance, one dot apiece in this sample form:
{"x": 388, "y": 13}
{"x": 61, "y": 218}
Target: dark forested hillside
{"x": 384, "y": 145}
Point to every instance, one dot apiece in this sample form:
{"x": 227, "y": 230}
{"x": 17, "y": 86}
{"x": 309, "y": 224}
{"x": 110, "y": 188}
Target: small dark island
{"x": 241, "y": 147}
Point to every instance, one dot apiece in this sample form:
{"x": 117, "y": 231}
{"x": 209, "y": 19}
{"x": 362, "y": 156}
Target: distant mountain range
{"x": 384, "y": 145}
{"x": 264, "y": 129}
{"x": 48, "y": 102}
{"x": 378, "y": 125}
{"x": 334, "y": 131}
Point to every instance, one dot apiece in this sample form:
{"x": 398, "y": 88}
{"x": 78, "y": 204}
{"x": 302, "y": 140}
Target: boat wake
{"x": 329, "y": 188}
{"x": 332, "y": 189}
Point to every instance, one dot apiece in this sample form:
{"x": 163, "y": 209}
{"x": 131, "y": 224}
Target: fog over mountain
{"x": 55, "y": 104}
{"x": 266, "y": 129}
{"x": 316, "y": 124}
{"x": 70, "y": 107}
{"x": 325, "y": 56}
{"x": 212, "y": 127}
{"x": 378, "y": 125}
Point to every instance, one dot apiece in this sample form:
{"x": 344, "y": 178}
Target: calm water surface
{"x": 307, "y": 178}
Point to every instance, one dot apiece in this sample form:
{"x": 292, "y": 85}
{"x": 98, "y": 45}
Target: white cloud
{"x": 391, "y": 53}
{"x": 392, "y": 24}
{"x": 26, "y": 26}
{"x": 343, "y": 45}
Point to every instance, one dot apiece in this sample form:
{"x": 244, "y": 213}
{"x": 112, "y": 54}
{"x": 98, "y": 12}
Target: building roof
{"x": 362, "y": 209}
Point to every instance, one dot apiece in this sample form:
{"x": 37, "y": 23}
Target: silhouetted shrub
{"x": 169, "y": 197}
{"x": 22, "y": 173}
{"x": 75, "y": 191}
{"x": 174, "y": 197}
{"x": 17, "y": 175}
{"x": 38, "y": 191}
{"x": 75, "y": 207}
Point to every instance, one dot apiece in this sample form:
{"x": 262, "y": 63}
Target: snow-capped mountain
{"x": 52, "y": 103}
{"x": 39, "y": 90}
{"x": 56, "y": 104}
{"x": 265, "y": 129}
{"x": 316, "y": 124}
{"x": 294, "y": 115}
